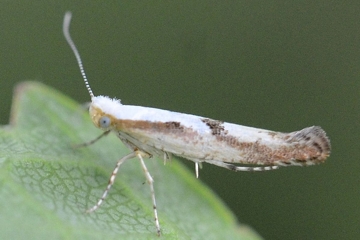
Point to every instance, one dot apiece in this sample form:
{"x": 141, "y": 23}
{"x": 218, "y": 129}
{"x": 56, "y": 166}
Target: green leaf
{"x": 46, "y": 184}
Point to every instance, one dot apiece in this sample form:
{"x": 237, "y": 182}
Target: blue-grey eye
{"x": 104, "y": 122}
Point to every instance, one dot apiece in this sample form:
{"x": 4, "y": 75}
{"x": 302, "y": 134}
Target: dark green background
{"x": 278, "y": 65}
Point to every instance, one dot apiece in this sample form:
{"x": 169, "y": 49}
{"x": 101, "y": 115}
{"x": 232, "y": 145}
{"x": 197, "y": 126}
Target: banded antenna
{"x": 66, "y": 27}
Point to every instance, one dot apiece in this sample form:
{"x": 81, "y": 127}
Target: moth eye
{"x": 104, "y": 122}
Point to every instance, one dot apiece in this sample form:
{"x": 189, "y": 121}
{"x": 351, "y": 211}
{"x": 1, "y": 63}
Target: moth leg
{"x": 85, "y": 144}
{"x": 197, "y": 169}
{"x": 197, "y": 165}
{"x": 111, "y": 181}
{"x": 239, "y": 168}
{"x": 150, "y": 181}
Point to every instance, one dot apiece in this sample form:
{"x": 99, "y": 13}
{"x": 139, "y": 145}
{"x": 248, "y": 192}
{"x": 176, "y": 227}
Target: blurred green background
{"x": 278, "y": 65}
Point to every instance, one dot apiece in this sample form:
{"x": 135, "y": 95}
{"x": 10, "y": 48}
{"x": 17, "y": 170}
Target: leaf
{"x": 46, "y": 184}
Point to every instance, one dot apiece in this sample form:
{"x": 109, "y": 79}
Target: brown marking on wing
{"x": 216, "y": 127}
{"x": 174, "y": 129}
{"x": 173, "y": 125}
{"x": 168, "y": 127}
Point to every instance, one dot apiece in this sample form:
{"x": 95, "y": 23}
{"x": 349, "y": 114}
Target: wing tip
{"x": 316, "y": 138}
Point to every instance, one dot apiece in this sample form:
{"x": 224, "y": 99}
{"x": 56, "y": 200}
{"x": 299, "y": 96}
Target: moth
{"x": 151, "y": 132}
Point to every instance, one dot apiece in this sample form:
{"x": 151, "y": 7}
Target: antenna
{"x": 66, "y": 27}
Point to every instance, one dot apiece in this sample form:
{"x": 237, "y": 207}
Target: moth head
{"x": 102, "y": 110}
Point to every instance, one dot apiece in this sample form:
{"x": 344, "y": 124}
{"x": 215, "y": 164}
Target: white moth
{"x": 151, "y": 132}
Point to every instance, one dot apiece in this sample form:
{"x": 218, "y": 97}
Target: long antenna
{"x": 66, "y": 27}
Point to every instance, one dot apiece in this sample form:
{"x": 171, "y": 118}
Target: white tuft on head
{"x": 107, "y": 105}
